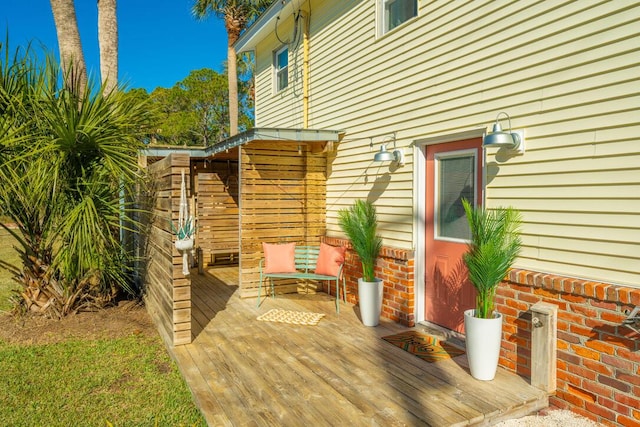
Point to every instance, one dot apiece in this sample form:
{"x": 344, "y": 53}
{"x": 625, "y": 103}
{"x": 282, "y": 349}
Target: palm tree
{"x": 71, "y": 56}
{"x": 108, "y": 42}
{"x": 237, "y": 14}
{"x": 67, "y": 158}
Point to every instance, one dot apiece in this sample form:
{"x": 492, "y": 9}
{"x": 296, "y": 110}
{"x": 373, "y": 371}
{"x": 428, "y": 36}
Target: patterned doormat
{"x": 292, "y": 317}
{"x": 426, "y": 347}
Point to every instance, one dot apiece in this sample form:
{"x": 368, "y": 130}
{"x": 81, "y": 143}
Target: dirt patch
{"x": 123, "y": 320}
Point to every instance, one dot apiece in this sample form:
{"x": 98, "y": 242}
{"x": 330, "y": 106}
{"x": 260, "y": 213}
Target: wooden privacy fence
{"x": 167, "y": 290}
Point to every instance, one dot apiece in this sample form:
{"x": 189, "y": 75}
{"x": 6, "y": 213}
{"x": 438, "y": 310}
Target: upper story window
{"x": 396, "y": 12}
{"x": 281, "y": 68}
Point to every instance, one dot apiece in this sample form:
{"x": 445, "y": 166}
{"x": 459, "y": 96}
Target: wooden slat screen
{"x": 216, "y": 190}
{"x": 282, "y": 199}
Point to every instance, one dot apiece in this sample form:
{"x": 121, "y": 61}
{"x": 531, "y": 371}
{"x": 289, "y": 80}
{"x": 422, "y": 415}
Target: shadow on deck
{"x": 251, "y": 373}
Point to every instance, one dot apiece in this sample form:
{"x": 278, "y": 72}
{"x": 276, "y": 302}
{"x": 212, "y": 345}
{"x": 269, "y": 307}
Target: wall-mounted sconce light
{"x": 510, "y": 139}
{"x": 397, "y": 155}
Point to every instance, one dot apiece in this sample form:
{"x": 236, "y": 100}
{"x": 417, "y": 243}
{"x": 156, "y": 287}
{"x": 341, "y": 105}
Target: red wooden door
{"x": 454, "y": 172}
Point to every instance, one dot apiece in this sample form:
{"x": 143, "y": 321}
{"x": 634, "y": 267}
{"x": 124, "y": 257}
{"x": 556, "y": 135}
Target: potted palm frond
{"x": 494, "y": 246}
{"x": 359, "y": 223}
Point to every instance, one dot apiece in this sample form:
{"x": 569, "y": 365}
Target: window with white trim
{"x": 281, "y": 69}
{"x": 393, "y": 13}
{"x": 455, "y": 180}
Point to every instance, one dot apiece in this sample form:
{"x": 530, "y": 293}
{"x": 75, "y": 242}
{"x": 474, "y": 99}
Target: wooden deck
{"x": 245, "y": 372}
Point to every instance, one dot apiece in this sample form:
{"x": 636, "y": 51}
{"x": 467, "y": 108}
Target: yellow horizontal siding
{"x": 587, "y": 192}
{"x": 588, "y": 246}
{"x": 566, "y": 72}
{"x": 584, "y": 265}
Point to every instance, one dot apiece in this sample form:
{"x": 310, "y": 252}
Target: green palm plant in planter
{"x": 359, "y": 222}
{"x": 494, "y": 246}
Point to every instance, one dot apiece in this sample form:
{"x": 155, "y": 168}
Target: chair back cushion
{"x": 279, "y": 258}
{"x": 330, "y": 259}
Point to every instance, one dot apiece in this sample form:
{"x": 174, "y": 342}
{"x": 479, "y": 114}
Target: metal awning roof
{"x": 255, "y": 134}
{"x": 264, "y": 25}
{"x": 154, "y": 151}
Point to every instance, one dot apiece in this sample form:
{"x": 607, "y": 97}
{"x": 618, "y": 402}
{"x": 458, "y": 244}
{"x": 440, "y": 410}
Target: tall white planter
{"x": 483, "y": 341}
{"x": 370, "y": 300}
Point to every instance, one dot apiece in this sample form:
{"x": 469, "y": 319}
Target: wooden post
{"x": 200, "y": 260}
{"x": 544, "y": 322}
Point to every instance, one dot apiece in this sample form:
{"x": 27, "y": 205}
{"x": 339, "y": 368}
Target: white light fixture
{"x": 497, "y": 138}
{"x": 384, "y": 155}
{"x": 633, "y": 319}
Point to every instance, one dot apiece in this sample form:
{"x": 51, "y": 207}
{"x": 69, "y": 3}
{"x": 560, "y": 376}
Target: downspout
{"x": 305, "y": 72}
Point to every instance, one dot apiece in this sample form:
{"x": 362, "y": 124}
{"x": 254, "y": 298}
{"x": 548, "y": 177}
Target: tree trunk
{"x": 232, "y": 71}
{"x": 71, "y": 56}
{"x": 233, "y": 22}
{"x": 108, "y": 41}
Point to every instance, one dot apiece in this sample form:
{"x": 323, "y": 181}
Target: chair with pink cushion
{"x": 290, "y": 261}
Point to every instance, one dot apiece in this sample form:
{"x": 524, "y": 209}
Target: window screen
{"x": 455, "y": 182}
{"x": 281, "y": 68}
{"x": 398, "y": 11}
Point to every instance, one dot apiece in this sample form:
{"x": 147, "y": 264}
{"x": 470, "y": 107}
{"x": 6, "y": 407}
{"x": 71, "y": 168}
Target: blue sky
{"x": 160, "y": 40}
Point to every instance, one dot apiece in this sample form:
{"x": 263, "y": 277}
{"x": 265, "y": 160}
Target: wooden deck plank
{"x": 248, "y": 372}
{"x": 410, "y": 388}
{"x": 320, "y": 364}
{"x": 280, "y": 368}
{"x": 269, "y": 384}
{"x": 209, "y": 406}
{"x": 405, "y": 393}
{"x": 439, "y": 392}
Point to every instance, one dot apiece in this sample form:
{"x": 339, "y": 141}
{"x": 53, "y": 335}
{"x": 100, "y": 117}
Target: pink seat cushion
{"x": 330, "y": 259}
{"x": 279, "y": 258}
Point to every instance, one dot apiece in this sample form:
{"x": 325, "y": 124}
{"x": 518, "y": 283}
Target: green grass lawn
{"x": 128, "y": 381}
{"x": 7, "y": 254}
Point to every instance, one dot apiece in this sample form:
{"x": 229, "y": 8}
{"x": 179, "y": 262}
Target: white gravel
{"x": 555, "y": 418}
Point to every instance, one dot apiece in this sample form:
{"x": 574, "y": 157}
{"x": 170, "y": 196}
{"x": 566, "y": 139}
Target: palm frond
{"x": 494, "y": 246}
{"x": 67, "y": 160}
{"x": 359, "y": 222}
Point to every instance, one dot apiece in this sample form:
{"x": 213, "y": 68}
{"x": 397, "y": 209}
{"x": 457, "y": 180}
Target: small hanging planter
{"x": 185, "y": 244}
{"x": 185, "y": 230}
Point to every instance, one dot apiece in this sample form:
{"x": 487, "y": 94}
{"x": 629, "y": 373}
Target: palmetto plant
{"x": 360, "y": 224}
{"x": 494, "y": 247}
{"x": 69, "y": 161}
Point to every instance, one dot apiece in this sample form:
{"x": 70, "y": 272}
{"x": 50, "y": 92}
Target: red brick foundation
{"x": 598, "y": 373}
{"x": 395, "y": 267}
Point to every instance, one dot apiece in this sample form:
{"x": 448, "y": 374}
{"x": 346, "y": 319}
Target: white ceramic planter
{"x": 483, "y": 341}
{"x": 184, "y": 244}
{"x": 370, "y": 301}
